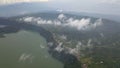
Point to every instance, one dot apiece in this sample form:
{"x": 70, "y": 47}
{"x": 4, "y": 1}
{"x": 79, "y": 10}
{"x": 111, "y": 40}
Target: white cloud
{"x": 24, "y": 57}
{"x": 59, "y": 48}
{"x": 59, "y": 10}
{"x": 42, "y": 46}
{"x": 61, "y": 16}
{"x": 18, "y": 1}
{"x": 79, "y": 24}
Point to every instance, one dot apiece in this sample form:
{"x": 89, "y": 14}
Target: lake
{"x": 26, "y": 49}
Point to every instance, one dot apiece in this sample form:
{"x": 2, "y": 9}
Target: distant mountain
{"x": 72, "y": 23}
{"x": 27, "y": 8}
{"x": 111, "y": 17}
{"x": 106, "y": 16}
{"x": 23, "y": 8}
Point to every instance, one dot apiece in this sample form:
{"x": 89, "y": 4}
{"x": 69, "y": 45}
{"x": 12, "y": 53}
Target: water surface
{"x": 26, "y": 50}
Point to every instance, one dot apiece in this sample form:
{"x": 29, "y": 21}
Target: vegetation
{"x": 96, "y": 50}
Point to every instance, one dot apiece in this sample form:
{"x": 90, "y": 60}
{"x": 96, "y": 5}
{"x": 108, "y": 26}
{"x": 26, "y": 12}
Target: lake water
{"x": 26, "y": 50}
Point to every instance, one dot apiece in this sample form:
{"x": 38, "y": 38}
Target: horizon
{"x": 109, "y": 7}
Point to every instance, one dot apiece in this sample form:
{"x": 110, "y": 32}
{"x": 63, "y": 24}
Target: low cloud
{"x": 26, "y": 57}
{"x": 61, "y": 16}
{"x": 79, "y": 24}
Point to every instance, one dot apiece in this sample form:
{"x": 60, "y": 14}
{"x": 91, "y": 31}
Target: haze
{"x": 111, "y": 7}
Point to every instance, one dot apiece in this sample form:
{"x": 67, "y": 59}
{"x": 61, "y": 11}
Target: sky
{"x": 93, "y": 6}
{"x": 18, "y": 1}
